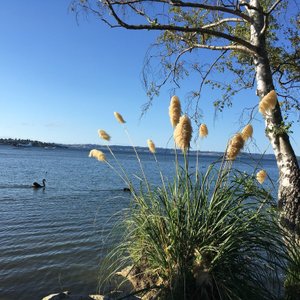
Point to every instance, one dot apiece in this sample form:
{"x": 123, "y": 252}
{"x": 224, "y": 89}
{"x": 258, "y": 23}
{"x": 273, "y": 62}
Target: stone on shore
{"x": 68, "y": 296}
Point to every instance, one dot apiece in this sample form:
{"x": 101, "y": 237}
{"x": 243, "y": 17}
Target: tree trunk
{"x": 289, "y": 173}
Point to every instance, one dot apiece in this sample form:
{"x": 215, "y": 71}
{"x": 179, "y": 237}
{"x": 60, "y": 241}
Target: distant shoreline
{"x": 27, "y": 143}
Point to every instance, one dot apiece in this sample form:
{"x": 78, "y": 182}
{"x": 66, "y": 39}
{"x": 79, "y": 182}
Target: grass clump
{"x": 209, "y": 236}
{"x": 211, "y": 239}
{"x": 292, "y": 281}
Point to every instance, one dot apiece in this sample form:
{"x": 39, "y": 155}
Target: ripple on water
{"x": 54, "y": 239}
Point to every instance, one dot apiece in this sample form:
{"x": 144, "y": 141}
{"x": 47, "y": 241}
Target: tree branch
{"x": 210, "y": 7}
{"x": 178, "y": 3}
{"x": 222, "y": 21}
{"x": 161, "y": 27}
{"x": 225, "y": 47}
{"x": 273, "y": 7}
{"x": 205, "y": 77}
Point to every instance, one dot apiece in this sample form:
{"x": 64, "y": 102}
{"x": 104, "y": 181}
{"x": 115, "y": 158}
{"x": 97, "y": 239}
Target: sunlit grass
{"x": 200, "y": 235}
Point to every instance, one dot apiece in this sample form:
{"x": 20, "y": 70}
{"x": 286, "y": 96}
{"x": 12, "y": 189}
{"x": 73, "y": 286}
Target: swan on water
{"x": 36, "y": 185}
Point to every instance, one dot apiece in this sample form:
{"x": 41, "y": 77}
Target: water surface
{"x": 54, "y": 239}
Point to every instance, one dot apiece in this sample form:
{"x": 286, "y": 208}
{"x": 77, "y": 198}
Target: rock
{"x": 68, "y": 296}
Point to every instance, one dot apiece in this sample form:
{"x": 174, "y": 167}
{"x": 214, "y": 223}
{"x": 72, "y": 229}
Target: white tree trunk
{"x": 289, "y": 173}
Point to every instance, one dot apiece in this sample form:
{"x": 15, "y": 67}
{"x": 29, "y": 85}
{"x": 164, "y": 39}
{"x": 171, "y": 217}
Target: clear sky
{"x": 62, "y": 79}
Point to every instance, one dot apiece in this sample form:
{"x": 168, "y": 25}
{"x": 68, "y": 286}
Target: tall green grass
{"x": 210, "y": 236}
{"x": 292, "y": 281}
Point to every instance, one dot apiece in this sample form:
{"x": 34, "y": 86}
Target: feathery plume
{"x": 247, "y": 132}
{"x": 263, "y": 107}
{"x": 267, "y": 103}
{"x": 97, "y": 154}
{"x": 151, "y": 146}
{"x": 119, "y": 117}
{"x": 237, "y": 141}
{"x": 261, "y": 176}
{"x": 183, "y": 133}
{"x": 234, "y": 147}
{"x": 203, "y": 131}
{"x": 271, "y": 99}
{"x": 232, "y": 153}
{"x": 103, "y": 135}
{"x": 174, "y": 111}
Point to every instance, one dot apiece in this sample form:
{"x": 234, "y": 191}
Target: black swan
{"x": 37, "y": 185}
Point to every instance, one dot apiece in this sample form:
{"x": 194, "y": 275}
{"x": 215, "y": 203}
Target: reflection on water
{"x": 53, "y": 239}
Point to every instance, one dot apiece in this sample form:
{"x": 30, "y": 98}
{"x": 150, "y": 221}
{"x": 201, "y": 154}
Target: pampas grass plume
{"x": 261, "y": 176}
{"x": 271, "y": 99}
{"x": 151, "y": 146}
{"x": 97, "y": 154}
{"x": 203, "y": 131}
{"x": 103, "y": 135}
{"x": 268, "y": 102}
{"x": 263, "y": 107}
{"x": 234, "y": 147}
{"x": 247, "y": 132}
{"x": 237, "y": 141}
{"x": 174, "y": 111}
{"x": 119, "y": 117}
{"x": 183, "y": 133}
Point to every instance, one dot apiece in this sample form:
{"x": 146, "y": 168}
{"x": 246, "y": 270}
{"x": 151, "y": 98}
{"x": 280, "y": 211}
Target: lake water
{"x": 54, "y": 239}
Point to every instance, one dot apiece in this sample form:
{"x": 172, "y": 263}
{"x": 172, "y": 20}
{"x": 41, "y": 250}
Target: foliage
{"x": 292, "y": 281}
{"x": 186, "y": 29}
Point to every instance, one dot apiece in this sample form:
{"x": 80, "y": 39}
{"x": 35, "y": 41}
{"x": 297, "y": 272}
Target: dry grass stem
{"x": 174, "y": 111}
{"x": 203, "y": 131}
{"x": 119, "y": 117}
{"x": 247, "y": 132}
{"x": 261, "y": 176}
{"x": 183, "y": 133}
{"x": 103, "y": 135}
{"x": 151, "y": 146}
{"x": 97, "y": 154}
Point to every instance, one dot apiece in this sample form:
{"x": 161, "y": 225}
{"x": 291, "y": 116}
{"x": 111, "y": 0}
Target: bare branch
{"x": 141, "y": 13}
{"x": 205, "y": 77}
{"x": 169, "y": 74}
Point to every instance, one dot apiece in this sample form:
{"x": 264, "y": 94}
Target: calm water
{"x": 54, "y": 239}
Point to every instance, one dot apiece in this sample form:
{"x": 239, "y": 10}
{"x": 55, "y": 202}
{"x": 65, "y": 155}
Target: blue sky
{"x": 61, "y": 81}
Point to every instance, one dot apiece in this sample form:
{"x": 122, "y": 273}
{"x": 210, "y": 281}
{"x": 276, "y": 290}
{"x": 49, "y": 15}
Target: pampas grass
{"x": 234, "y": 147}
{"x": 99, "y": 155}
{"x": 267, "y": 103}
{"x": 103, "y": 135}
{"x": 119, "y": 118}
{"x": 247, "y": 132}
{"x": 151, "y": 146}
{"x": 183, "y": 133}
{"x": 174, "y": 111}
{"x": 210, "y": 239}
{"x": 261, "y": 176}
{"x": 203, "y": 131}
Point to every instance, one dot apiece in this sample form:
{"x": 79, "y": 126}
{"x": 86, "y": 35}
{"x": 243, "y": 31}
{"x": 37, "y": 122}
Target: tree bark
{"x": 289, "y": 173}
